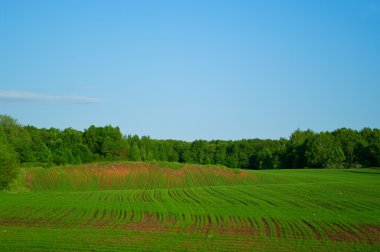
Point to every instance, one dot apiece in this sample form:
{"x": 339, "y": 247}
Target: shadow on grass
{"x": 374, "y": 172}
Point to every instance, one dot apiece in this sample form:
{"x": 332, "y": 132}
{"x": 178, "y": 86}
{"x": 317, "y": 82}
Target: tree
{"x": 187, "y": 155}
{"x": 296, "y": 148}
{"x": 246, "y": 148}
{"x": 220, "y": 152}
{"x": 232, "y": 159}
{"x": 322, "y": 151}
{"x": 343, "y": 147}
{"x": 200, "y": 150}
{"x": 40, "y": 153}
{"x": 135, "y": 154}
{"x": 105, "y": 142}
{"x": 369, "y": 150}
{"x": 8, "y": 165}
{"x": 349, "y": 141}
{"x": 73, "y": 139}
{"x": 17, "y": 137}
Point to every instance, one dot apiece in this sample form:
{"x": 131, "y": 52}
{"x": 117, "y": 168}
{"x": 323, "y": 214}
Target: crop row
{"x": 261, "y": 211}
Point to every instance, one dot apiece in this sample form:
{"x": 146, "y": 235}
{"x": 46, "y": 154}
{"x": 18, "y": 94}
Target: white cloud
{"x": 36, "y": 97}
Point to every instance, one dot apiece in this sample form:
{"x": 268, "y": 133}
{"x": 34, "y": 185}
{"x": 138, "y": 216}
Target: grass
{"x": 146, "y": 206}
{"x": 170, "y": 165}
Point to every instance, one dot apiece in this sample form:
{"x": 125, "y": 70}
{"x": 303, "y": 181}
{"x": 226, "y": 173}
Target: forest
{"x": 27, "y": 146}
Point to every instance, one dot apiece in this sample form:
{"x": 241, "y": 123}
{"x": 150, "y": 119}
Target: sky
{"x": 191, "y": 70}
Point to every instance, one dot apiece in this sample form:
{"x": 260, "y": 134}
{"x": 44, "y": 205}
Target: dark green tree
{"x": 296, "y": 148}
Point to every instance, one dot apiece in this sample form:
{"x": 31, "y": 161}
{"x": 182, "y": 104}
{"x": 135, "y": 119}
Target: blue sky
{"x": 192, "y": 69}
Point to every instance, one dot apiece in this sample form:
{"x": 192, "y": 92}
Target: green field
{"x": 174, "y": 207}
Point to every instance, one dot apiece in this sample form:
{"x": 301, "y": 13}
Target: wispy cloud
{"x": 36, "y": 97}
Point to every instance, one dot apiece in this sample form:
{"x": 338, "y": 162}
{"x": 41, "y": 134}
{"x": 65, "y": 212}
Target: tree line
{"x": 31, "y": 146}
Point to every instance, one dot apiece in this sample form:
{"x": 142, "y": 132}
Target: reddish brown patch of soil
{"x": 29, "y": 179}
{"x": 191, "y": 229}
{"x": 372, "y": 232}
{"x": 266, "y": 225}
{"x": 100, "y": 220}
{"x": 174, "y": 173}
{"x": 297, "y": 230}
{"x": 57, "y": 221}
{"x": 91, "y": 219}
{"x": 248, "y": 229}
{"x": 205, "y": 229}
{"x": 40, "y": 222}
{"x": 317, "y": 235}
{"x": 277, "y": 228}
{"x": 375, "y": 229}
{"x": 120, "y": 169}
{"x": 148, "y": 223}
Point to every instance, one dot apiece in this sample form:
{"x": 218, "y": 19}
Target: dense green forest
{"x": 30, "y": 146}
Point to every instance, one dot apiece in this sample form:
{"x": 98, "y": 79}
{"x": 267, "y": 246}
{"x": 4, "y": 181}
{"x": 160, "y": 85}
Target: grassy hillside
{"x": 129, "y": 206}
{"x": 133, "y": 175}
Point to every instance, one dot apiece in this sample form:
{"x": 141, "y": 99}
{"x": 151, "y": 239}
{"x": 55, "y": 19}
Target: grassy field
{"x": 153, "y": 207}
